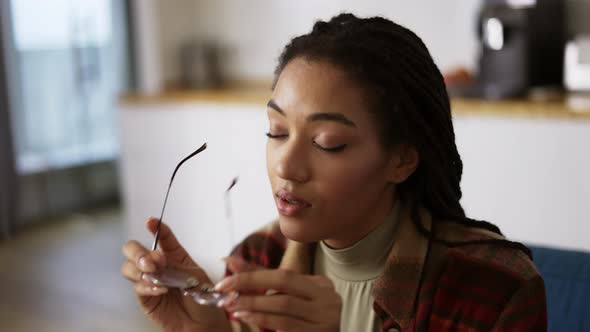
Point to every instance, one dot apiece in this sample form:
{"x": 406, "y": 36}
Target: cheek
{"x": 272, "y": 158}
{"x": 349, "y": 181}
{"x": 269, "y": 161}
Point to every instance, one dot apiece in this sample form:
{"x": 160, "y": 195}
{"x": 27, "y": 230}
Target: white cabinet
{"x": 529, "y": 176}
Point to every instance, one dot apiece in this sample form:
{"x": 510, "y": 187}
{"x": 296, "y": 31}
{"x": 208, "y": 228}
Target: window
{"x": 68, "y": 62}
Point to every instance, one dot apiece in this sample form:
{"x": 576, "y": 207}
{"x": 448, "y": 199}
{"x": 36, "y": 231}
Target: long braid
{"x": 411, "y": 103}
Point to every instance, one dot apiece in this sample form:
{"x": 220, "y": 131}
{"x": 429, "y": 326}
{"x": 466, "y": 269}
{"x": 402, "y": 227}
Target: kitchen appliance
{"x": 521, "y": 46}
{"x": 577, "y": 64}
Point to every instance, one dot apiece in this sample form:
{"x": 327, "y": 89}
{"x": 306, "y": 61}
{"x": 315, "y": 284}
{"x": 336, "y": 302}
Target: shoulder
{"x": 486, "y": 268}
{"x": 493, "y": 274}
{"x": 264, "y": 247}
{"x": 483, "y": 248}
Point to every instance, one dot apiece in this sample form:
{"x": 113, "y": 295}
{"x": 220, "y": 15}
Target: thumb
{"x": 167, "y": 241}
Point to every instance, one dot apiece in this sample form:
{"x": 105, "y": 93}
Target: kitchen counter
{"x": 521, "y": 108}
{"x": 250, "y": 95}
{"x": 259, "y": 94}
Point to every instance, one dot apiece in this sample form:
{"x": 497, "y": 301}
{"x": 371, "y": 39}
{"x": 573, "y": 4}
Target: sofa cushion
{"x": 567, "y": 283}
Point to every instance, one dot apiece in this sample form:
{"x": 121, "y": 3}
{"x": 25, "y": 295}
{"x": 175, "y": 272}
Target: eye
{"x": 332, "y": 149}
{"x": 269, "y": 135}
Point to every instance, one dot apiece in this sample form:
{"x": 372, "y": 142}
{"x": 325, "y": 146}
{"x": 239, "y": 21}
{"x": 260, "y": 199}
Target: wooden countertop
{"x": 559, "y": 109}
{"x": 250, "y": 95}
{"x": 563, "y": 108}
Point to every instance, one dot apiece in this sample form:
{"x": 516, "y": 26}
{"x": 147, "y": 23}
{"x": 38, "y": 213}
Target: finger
{"x": 237, "y": 264}
{"x": 130, "y": 271}
{"x": 166, "y": 240}
{"x": 138, "y": 254}
{"x": 159, "y": 259}
{"x": 133, "y": 274}
{"x": 281, "y": 280}
{"x": 277, "y": 304}
{"x": 146, "y": 289}
{"x": 322, "y": 281}
{"x": 273, "y": 321}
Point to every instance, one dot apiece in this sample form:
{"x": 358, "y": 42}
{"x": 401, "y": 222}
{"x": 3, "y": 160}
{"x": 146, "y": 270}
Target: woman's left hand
{"x": 299, "y": 302}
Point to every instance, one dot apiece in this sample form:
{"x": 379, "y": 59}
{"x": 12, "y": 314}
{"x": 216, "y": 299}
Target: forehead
{"x": 311, "y": 86}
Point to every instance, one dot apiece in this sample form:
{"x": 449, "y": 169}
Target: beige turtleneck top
{"x": 354, "y": 270}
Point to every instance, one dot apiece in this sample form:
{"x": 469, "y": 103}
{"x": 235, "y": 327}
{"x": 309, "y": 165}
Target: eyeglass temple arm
{"x": 157, "y": 236}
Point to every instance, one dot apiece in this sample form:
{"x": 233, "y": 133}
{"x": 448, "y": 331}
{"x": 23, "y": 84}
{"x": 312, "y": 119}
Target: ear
{"x": 403, "y": 162}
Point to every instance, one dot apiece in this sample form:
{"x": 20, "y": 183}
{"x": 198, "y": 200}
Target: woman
{"x": 371, "y": 236}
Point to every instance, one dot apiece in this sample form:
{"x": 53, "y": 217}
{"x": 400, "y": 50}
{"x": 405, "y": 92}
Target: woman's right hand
{"x": 168, "y": 308}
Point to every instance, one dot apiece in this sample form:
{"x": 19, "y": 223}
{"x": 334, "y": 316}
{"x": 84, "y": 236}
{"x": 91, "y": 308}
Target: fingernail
{"x": 146, "y": 265}
{"x": 225, "y": 284}
{"x": 229, "y": 301}
{"x": 221, "y": 303}
{"x": 241, "y": 314}
{"x": 151, "y": 288}
{"x": 232, "y": 299}
{"x": 271, "y": 292}
{"x": 159, "y": 289}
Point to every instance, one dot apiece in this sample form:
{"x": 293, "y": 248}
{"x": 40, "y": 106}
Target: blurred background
{"x": 100, "y": 99}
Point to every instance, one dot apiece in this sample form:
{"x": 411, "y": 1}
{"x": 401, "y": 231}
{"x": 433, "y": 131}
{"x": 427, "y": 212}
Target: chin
{"x": 298, "y": 231}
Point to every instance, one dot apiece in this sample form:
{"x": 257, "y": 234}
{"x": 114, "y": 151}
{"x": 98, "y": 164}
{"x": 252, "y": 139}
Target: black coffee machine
{"x": 521, "y": 47}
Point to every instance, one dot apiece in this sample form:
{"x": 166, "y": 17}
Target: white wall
{"x": 179, "y": 22}
{"x": 255, "y": 31}
{"x": 147, "y": 44}
{"x": 258, "y": 29}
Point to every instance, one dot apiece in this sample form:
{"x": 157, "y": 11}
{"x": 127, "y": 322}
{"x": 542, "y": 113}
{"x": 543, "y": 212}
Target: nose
{"x": 292, "y": 163}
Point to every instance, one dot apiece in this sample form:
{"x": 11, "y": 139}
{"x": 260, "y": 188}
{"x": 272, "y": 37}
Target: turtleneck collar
{"x": 365, "y": 259}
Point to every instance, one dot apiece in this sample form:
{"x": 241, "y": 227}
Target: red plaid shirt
{"x": 427, "y": 286}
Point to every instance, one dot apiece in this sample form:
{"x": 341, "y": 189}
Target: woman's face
{"x": 328, "y": 171}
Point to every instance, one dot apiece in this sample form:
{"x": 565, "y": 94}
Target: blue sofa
{"x": 567, "y": 283}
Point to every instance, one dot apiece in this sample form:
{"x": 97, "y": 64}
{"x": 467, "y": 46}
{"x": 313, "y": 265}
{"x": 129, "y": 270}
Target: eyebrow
{"x": 336, "y": 117}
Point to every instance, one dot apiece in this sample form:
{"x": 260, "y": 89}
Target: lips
{"x": 290, "y": 204}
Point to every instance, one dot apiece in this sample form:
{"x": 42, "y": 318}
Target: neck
{"x": 361, "y": 228}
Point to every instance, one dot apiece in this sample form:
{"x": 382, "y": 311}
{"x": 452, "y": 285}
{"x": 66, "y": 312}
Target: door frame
{"x": 8, "y": 173}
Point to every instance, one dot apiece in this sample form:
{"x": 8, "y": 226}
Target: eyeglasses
{"x": 201, "y": 293}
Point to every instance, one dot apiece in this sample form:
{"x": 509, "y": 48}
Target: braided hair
{"x": 409, "y": 102}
